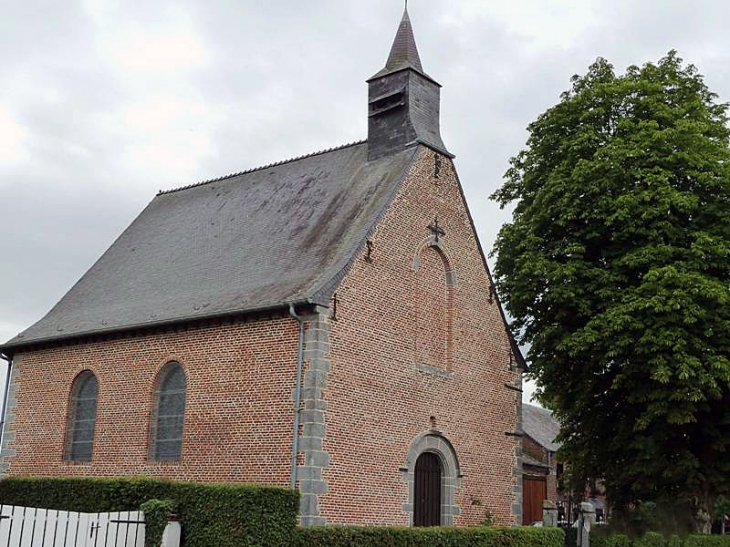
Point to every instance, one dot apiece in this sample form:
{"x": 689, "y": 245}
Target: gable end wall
{"x": 386, "y": 386}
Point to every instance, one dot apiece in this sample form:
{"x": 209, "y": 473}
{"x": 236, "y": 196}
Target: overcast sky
{"x": 103, "y": 102}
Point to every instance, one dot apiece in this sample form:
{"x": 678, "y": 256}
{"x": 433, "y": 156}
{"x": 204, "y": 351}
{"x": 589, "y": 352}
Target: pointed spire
{"x": 403, "y": 53}
{"x": 404, "y": 50}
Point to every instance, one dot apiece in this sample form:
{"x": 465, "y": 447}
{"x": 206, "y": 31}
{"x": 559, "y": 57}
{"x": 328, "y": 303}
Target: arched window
{"x": 433, "y": 306}
{"x": 169, "y": 414}
{"x": 81, "y": 418}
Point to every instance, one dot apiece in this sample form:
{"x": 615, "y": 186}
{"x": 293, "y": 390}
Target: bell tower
{"x": 403, "y": 101}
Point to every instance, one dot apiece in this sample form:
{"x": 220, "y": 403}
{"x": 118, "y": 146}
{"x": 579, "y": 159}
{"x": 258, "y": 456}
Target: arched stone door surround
{"x": 435, "y": 443}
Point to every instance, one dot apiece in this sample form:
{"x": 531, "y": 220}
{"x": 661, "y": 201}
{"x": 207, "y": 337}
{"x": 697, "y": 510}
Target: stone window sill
{"x": 435, "y": 371}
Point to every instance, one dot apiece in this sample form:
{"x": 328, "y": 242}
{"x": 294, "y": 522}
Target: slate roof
{"x": 403, "y": 52}
{"x": 251, "y": 241}
{"x": 538, "y": 423}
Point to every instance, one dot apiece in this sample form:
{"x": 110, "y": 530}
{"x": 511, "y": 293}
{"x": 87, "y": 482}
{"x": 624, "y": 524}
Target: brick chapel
{"x": 326, "y": 323}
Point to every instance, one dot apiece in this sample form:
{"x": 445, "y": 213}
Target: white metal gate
{"x": 33, "y": 527}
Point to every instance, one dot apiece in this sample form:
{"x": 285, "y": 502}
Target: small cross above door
{"x": 436, "y": 229}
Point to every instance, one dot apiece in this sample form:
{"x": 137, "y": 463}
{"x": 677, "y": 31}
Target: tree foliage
{"x": 616, "y": 270}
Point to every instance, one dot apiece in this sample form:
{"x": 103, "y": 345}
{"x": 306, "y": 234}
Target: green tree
{"x": 616, "y": 270}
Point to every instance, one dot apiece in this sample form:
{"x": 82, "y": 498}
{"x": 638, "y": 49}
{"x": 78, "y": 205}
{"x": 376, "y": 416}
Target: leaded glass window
{"x": 167, "y": 423}
{"x": 82, "y": 418}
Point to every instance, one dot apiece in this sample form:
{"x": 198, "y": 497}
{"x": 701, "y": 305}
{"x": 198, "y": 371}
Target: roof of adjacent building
{"x": 532, "y": 462}
{"x": 541, "y": 426}
{"x": 255, "y": 240}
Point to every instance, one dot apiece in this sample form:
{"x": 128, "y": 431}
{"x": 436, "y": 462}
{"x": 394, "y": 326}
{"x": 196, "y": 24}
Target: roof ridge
{"x": 261, "y": 168}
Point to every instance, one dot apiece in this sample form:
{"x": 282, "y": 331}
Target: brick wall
{"x": 534, "y": 450}
{"x": 391, "y": 378}
{"x": 238, "y": 414}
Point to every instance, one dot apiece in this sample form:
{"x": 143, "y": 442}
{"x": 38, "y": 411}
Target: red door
{"x": 534, "y": 492}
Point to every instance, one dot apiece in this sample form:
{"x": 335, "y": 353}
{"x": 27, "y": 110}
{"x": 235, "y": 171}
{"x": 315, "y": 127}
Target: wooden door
{"x": 427, "y": 491}
{"x": 534, "y": 492}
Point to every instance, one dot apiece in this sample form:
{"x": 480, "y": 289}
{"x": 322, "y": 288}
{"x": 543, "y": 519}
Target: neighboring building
{"x": 177, "y": 354}
{"x": 539, "y": 467}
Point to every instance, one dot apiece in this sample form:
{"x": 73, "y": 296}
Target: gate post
{"x": 586, "y": 520}
{"x": 171, "y": 535}
{"x": 549, "y": 514}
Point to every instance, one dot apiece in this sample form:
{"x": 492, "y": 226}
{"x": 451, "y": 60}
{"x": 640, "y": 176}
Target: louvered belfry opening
{"x": 427, "y": 494}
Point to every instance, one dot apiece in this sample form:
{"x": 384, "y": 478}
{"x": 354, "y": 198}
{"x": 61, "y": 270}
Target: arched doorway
{"x": 433, "y": 459}
{"x": 427, "y": 491}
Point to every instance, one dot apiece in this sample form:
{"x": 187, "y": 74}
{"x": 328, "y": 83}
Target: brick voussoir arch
{"x": 438, "y": 246}
{"x": 436, "y": 443}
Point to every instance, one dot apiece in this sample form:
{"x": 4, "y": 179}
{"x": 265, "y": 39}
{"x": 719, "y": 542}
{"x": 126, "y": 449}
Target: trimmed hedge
{"x": 674, "y": 541}
{"x": 650, "y": 539}
{"x": 706, "y": 541}
{"x": 654, "y": 539}
{"x": 156, "y": 516}
{"x": 211, "y": 515}
{"x": 613, "y": 540}
{"x": 391, "y": 536}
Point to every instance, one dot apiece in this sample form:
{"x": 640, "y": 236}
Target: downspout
{"x": 297, "y": 398}
{"x": 5, "y": 395}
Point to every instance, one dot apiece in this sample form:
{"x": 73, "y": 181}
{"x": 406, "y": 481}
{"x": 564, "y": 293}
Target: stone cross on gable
{"x": 435, "y": 229}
